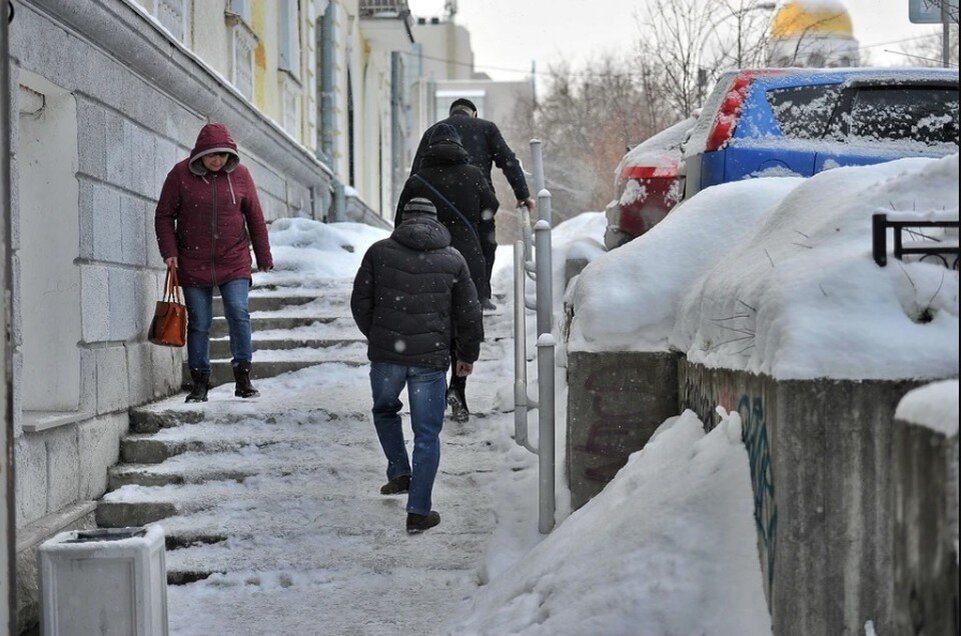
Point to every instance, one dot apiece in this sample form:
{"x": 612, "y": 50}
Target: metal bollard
{"x": 537, "y": 161}
{"x": 521, "y": 402}
{"x": 545, "y": 428}
{"x": 545, "y": 368}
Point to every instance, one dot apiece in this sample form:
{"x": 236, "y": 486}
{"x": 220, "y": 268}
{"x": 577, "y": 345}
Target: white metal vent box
{"x": 110, "y": 581}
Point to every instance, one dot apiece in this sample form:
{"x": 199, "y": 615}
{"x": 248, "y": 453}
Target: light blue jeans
{"x": 426, "y": 390}
{"x": 199, "y": 301}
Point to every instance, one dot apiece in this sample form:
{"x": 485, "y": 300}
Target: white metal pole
{"x": 545, "y": 375}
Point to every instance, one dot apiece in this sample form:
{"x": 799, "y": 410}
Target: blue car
{"x": 798, "y": 122}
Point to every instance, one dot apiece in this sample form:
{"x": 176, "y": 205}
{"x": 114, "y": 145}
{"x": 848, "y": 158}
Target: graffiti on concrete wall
{"x": 609, "y": 425}
{"x": 754, "y": 434}
{"x": 705, "y": 402}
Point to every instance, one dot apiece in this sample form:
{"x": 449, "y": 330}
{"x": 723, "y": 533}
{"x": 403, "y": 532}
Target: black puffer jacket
{"x": 413, "y": 294}
{"x": 446, "y": 170}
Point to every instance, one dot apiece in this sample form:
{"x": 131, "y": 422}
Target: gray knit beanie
{"x": 420, "y": 205}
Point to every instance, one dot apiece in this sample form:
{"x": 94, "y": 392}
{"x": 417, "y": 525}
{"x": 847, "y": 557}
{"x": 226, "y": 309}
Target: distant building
{"x": 812, "y": 33}
{"x": 444, "y": 60}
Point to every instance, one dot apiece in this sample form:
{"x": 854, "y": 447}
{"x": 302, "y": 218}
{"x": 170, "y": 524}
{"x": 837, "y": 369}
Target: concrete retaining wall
{"x": 925, "y": 480}
{"x": 625, "y": 397}
{"x": 823, "y": 473}
{"x": 820, "y": 461}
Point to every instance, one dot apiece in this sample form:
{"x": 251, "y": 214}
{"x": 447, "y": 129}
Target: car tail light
{"x": 728, "y": 114}
{"x": 649, "y": 172}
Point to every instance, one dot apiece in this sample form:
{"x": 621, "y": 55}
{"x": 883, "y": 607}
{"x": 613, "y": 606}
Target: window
{"x": 290, "y": 104}
{"x": 243, "y": 43}
{"x": 174, "y": 16}
{"x": 928, "y": 114}
{"x": 289, "y": 29}
{"x": 803, "y": 112}
{"x": 240, "y": 8}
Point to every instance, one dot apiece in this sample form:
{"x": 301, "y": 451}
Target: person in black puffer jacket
{"x": 412, "y": 295}
{"x": 462, "y": 196}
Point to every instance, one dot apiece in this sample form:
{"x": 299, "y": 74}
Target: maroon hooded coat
{"x": 209, "y": 219}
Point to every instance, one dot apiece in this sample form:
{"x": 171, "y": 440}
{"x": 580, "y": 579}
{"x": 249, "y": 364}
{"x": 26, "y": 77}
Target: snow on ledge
{"x": 934, "y": 406}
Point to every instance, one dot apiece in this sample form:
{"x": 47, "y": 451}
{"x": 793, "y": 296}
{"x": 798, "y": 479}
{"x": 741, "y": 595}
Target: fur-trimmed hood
{"x": 213, "y": 138}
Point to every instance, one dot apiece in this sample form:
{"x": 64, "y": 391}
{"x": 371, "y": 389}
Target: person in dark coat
{"x": 462, "y": 197}
{"x": 411, "y": 294}
{"x": 207, "y": 217}
{"x": 485, "y": 148}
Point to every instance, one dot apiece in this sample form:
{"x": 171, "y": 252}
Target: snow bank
{"x": 308, "y": 252}
{"x": 627, "y": 300}
{"x": 801, "y": 297}
{"x": 934, "y": 405}
{"x": 672, "y": 534}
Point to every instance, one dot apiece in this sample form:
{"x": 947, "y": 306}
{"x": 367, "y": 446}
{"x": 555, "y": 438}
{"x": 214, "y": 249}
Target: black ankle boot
{"x": 198, "y": 390}
{"x": 243, "y": 388}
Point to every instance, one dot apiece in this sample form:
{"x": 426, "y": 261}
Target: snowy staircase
{"x": 278, "y": 495}
{"x": 289, "y": 333}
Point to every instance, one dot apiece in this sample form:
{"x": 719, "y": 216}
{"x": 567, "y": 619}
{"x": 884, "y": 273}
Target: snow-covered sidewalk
{"x": 280, "y": 517}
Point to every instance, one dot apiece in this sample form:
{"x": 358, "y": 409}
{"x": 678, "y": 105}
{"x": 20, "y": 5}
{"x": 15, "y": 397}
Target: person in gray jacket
{"x": 412, "y": 295}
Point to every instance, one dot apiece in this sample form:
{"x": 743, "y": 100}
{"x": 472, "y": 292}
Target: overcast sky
{"x": 508, "y": 34}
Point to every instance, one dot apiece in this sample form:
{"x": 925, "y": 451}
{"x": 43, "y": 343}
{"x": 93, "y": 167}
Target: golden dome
{"x": 811, "y": 17}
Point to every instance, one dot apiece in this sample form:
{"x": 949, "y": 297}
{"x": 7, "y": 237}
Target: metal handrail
{"x": 540, "y": 269}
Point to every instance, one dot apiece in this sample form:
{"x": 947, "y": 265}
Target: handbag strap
{"x": 172, "y": 285}
{"x": 453, "y": 207}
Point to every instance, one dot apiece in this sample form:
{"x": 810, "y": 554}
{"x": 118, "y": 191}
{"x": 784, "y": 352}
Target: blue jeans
{"x": 426, "y": 390}
{"x": 199, "y": 301}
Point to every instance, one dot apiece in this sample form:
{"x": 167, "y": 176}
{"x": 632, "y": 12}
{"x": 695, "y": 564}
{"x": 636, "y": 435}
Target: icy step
{"x": 269, "y": 322}
{"x": 279, "y": 504}
{"x": 220, "y": 347}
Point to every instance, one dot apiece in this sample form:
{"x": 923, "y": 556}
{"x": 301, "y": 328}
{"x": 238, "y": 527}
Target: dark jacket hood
{"x": 421, "y": 232}
{"x": 444, "y": 133}
{"x": 213, "y": 138}
{"x": 445, "y": 153}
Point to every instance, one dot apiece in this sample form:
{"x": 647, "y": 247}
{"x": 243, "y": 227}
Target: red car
{"x": 647, "y": 185}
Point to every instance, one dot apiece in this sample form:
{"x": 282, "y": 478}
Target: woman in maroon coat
{"x": 207, "y": 217}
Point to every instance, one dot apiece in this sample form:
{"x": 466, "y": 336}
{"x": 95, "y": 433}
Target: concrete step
{"x": 221, "y": 371}
{"x": 218, "y": 328}
{"x": 220, "y": 347}
{"x": 272, "y": 303}
{"x": 145, "y": 420}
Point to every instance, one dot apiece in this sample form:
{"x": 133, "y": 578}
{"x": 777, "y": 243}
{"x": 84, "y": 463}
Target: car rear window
{"x": 803, "y": 112}
{"x": 928, "y": 114}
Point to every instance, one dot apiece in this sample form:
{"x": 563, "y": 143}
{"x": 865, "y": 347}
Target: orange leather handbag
{"x": 169, "y": 325}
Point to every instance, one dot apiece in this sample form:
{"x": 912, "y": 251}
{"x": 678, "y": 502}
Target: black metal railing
{"x": 929, "y": 248}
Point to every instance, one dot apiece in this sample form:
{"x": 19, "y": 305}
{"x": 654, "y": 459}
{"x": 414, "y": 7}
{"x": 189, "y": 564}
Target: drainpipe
{"x": 340, "y": 203}
{"x": 7, "y": 516}
{"x": 396, "y": 129}
{"x": 327, "y": 50}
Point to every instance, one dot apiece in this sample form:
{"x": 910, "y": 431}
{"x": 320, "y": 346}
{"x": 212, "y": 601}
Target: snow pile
{"x": 627, "y": 300}
{"x": 776, "y": 276}
{"x": 801, "y": 296}
{"x": 307, "y": 252}
{"x": 577, "y": 238}
{"x": 666, "y": 548}
{"x": 934, "y": 405}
